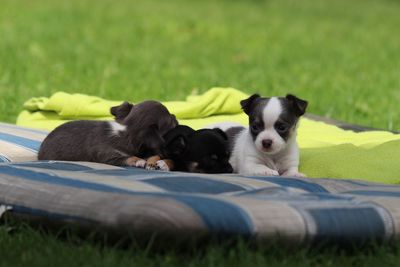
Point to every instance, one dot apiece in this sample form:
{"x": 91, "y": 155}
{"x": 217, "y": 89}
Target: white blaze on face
{"x": 271, "y": 114}
{"x": 116, "y": 127}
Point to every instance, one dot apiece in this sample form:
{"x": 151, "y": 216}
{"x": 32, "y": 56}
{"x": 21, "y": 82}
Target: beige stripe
{"x": 22, "y": 133}
{"x": 140, "y": 214}
{"x": 392, "y": 222}
{"x": 273, "y": 219}
{"x": 16, "y": 153}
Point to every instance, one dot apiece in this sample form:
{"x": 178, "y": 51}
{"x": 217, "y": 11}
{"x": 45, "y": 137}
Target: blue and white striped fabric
{"x": 187, "y": 205}
{"x": 18, "y": 143}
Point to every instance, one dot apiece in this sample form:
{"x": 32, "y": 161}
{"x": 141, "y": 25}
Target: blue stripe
{"x": 57, "y": 180}
{"x": 44, "y": 213}
{"x": 220, "y": 216}
{"x": 375, "y": 193}
{"x": 190, "y": 184}
{"x": 127, "y": 171}
{"x": 353, "y": 182}
{"x": 63, "y": 166}
{"x": 4, "y": 159}
{"x": 347, "y": 224}
{"x": 282, "y": 194}
{"x": 292, "y": 182}
{"x": 21, "y": 141}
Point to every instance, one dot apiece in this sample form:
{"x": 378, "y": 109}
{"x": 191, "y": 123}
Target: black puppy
{"x": 136, "y": 133}
{"x": 202, "y": 151}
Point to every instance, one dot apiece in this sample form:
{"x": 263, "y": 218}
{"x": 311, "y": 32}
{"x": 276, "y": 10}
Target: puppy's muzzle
{"x": 266, "y": 143}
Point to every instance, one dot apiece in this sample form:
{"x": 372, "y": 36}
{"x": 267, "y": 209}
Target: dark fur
{"x": 232, "y": 133}
{"x": 206, "y": 149}
{"x": 146, "y": 123}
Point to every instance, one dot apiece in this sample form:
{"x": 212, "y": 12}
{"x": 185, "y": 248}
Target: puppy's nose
{"x": 267, "y": 143}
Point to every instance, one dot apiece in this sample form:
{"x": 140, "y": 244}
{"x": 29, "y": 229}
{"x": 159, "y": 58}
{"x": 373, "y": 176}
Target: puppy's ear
{"x": 120, "y": 112}
{"x": 177, "y": 145}
{"x": 248, "y": 103}
{"x": 220, "y": 132}
{"x": 299, "y": 105}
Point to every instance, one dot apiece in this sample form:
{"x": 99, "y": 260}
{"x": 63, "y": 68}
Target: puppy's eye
{"x": 214, "y": 157}
{"x": 256, "y": 127}
{"x": 281, "y": 127}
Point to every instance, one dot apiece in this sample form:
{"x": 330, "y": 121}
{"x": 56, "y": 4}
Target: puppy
{"x": 268, "y": 146}
{"x": 201, "y": 151}
{"x": 136, "y": 132}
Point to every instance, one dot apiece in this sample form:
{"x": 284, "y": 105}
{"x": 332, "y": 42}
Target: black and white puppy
{"x": 268, "y": 146}
{"x": 201, "y": 151}
{"x": 136, "y": 133}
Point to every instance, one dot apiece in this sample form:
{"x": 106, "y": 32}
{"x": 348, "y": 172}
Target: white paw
{"x": 265, "y": 171}
{"x": 141, "y": 163}
{"x": 294, "y": 174}
{"x": 161, "y": 165}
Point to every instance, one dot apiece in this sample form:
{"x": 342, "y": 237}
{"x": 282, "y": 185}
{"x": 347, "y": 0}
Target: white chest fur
{"x": 246, "y": 159}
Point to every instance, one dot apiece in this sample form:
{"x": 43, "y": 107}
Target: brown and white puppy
{"x": 136, "y": 133}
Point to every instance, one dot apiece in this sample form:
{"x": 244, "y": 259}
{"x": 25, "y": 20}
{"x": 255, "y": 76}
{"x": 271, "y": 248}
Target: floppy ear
{"x": 220, "y": 132}
{"x": 248, "y": 103}
{"x": 177, "y": 145}
{"x": 299, "y": 105}
{"x": 121, "y": 111}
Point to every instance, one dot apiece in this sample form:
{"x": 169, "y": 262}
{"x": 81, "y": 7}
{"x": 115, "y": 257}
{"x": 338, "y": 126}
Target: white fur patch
{"x": 116, "y": 127}
{"x": 161, "y": 165}
{"x": 141, "y": 163}
{"x": 271, "y": 114}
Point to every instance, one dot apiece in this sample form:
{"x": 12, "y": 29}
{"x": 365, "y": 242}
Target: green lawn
{"x": 343, "y": 56}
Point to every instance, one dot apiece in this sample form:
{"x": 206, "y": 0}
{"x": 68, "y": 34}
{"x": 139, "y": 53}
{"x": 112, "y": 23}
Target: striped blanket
{"x": 182, "y": 205}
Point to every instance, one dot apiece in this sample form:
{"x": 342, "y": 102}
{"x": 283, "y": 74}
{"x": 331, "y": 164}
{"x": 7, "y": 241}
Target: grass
{"x": 28, "y": 247}
{"x": 343, "y": 56}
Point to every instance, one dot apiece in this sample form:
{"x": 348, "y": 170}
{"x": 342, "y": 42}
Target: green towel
{"x": 326, "y": 151}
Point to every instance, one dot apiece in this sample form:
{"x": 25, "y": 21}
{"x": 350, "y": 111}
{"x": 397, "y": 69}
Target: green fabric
{"x": 326, "y": 151}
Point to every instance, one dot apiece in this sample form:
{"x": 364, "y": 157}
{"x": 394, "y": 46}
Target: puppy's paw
{"x": 141, "y": 163}
{"x": 265, "y": 171}
{"x": 134, "y": 161}
{"x": 294, "y": 174}
{"x": 162, "y": 165}
{"x": 151, "y": 166}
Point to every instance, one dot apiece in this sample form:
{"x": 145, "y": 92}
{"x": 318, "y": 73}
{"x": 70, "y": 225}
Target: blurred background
{"x": 343, "y": 56}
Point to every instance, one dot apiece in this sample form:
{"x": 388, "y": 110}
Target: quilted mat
{"x": 184, "y": 205}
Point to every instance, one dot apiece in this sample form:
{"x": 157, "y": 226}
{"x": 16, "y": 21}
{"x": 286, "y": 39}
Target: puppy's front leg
{"x": 118, "y": 158}
{"x": 165, "y": 164}
{"x": 151, "y": 163}
{"x": 135, "y": 162}
{"x": 156, "y": 163}
{"x": 258, "y": 169}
